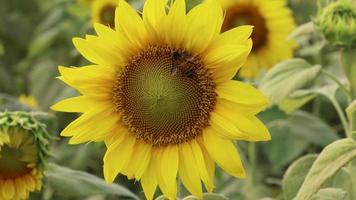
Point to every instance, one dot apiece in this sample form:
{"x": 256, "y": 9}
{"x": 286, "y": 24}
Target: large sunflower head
{"x": 23, "y": 148}
{"x": 160, "y": 94}
{"x": 272, "y": 22}
{"x": 103, "y": 11}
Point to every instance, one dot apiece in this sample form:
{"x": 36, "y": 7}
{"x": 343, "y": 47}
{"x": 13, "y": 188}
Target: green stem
{"x": 342, "y": 116}
{"x": 348, "y": 60}
{"x": 253, "y": 161}
{"x": 337, "y": 81}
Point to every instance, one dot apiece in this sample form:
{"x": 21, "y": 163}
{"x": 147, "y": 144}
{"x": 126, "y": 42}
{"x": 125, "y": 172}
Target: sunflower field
{"x": 177, "y": 100}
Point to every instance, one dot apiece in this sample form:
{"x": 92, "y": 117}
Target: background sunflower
{"x": 272, "y": 21}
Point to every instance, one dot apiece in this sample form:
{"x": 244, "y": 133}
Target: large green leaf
{"x": 295, "y": 175}
{"x": 311, "y": 128}
{"x": 330, "y": 160}
{"x": 71, "y": 183}
{"x": 330, "y": 194}
{"x": 284, "y": 147}
{"x": 287, "y": 77}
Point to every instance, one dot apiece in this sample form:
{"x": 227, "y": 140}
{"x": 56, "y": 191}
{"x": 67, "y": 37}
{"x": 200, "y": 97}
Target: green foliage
{"x": 295, "y": 175}
{"x": 330, "y": 194}
{"x": 67, "y": 182}
{"x": 330, "y": 160}
{"x": 287, "y": 77}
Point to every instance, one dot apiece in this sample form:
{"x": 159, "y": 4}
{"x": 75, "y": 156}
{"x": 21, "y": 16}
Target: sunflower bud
{"x": 23, "y": 154}
{"x": 337, "y": 21}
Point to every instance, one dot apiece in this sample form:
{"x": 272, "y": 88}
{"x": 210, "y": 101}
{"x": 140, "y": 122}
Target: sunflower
{"x": 272, "y": 22}
{"x": 21, "y": 155}
{"x": 160, "y": 96}
{"x": 103, "y": 11}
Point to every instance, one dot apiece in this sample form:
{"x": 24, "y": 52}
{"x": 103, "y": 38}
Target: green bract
{"x": 24, "y": 121}
{"x": 337, "y": 22}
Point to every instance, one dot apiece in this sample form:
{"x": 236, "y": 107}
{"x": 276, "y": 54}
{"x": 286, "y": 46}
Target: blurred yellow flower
{"x": 20, "y": 156}
{"x": 160, "y": 95}
{"x": 103, "y": 11}
{"x": 272, "y": 22}
{"x": 28, "y": 100}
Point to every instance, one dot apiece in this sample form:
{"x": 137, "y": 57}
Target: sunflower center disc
{"x": 165, "y": 96}
{"x": 242, "y": 14}
{"x": 11, "y": 165}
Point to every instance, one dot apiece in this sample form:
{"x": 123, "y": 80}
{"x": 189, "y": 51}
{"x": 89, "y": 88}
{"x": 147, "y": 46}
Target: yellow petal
{"x": 176, "y": 21}
{"x": 188, "y": 170}
{"x": 8, "y": 189}
{"x": 225, "y": 61}
{"x": 168, "y": 168}
{"x": 75, "y": 104}
{"x": 224, "y": 153}
{"x": 154, "y": 14}
{"x": 129, "y": 23}
{"x": 115, "y": 41}
{"x": 248, "y": 127}
{"x": 200, "y": 32}
{"x": 83, "y": 129}
{"x": 117, "y": 156}
{"x": 95, "y": 51}
{"x": 149, "y": 179}
{"x": 242, "y": 94}
{"x": 203, "y": 169}
{"x": 139, "y": 162}
{"x": 210, "y": 166}
{"x": 20, "y": 188}
{"x": 93, "y": 80}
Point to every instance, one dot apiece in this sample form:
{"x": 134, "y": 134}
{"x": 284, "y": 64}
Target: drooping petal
{"x": 188, "y": 170}
{"x": 224, "y": 153}
{"x": 149, "y": 178}
{"x": 167, "y": 170}
{"x": 117, "y": 156}
{"x": 139, "y": 162}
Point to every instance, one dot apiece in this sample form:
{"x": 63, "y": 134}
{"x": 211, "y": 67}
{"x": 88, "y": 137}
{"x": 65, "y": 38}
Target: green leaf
{"x": 330, "y": 194}
{"x": 295, "y": 175}
{"x": 287, "y": 77}
{"x": 304, "y": 29}
{"x": 71, "y": 183}
{"x": 290, "y": 105}
{"x": 330, "y": 160}
{"x": 283, "y": 148}
{"x": 351, "y": 109}
{"x": 311, "y": 128}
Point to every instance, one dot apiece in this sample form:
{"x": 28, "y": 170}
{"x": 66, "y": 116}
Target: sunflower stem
{"x": 252, "y": 158}
{"x": 338, "y": 82}
{"x": 341, "y": 116}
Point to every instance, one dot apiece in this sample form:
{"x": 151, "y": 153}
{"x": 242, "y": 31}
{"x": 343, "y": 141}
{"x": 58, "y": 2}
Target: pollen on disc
{"x": 165, "y": 96}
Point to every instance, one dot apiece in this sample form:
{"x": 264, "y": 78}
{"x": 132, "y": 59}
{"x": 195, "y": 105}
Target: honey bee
{"x": 183, "y": 63}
